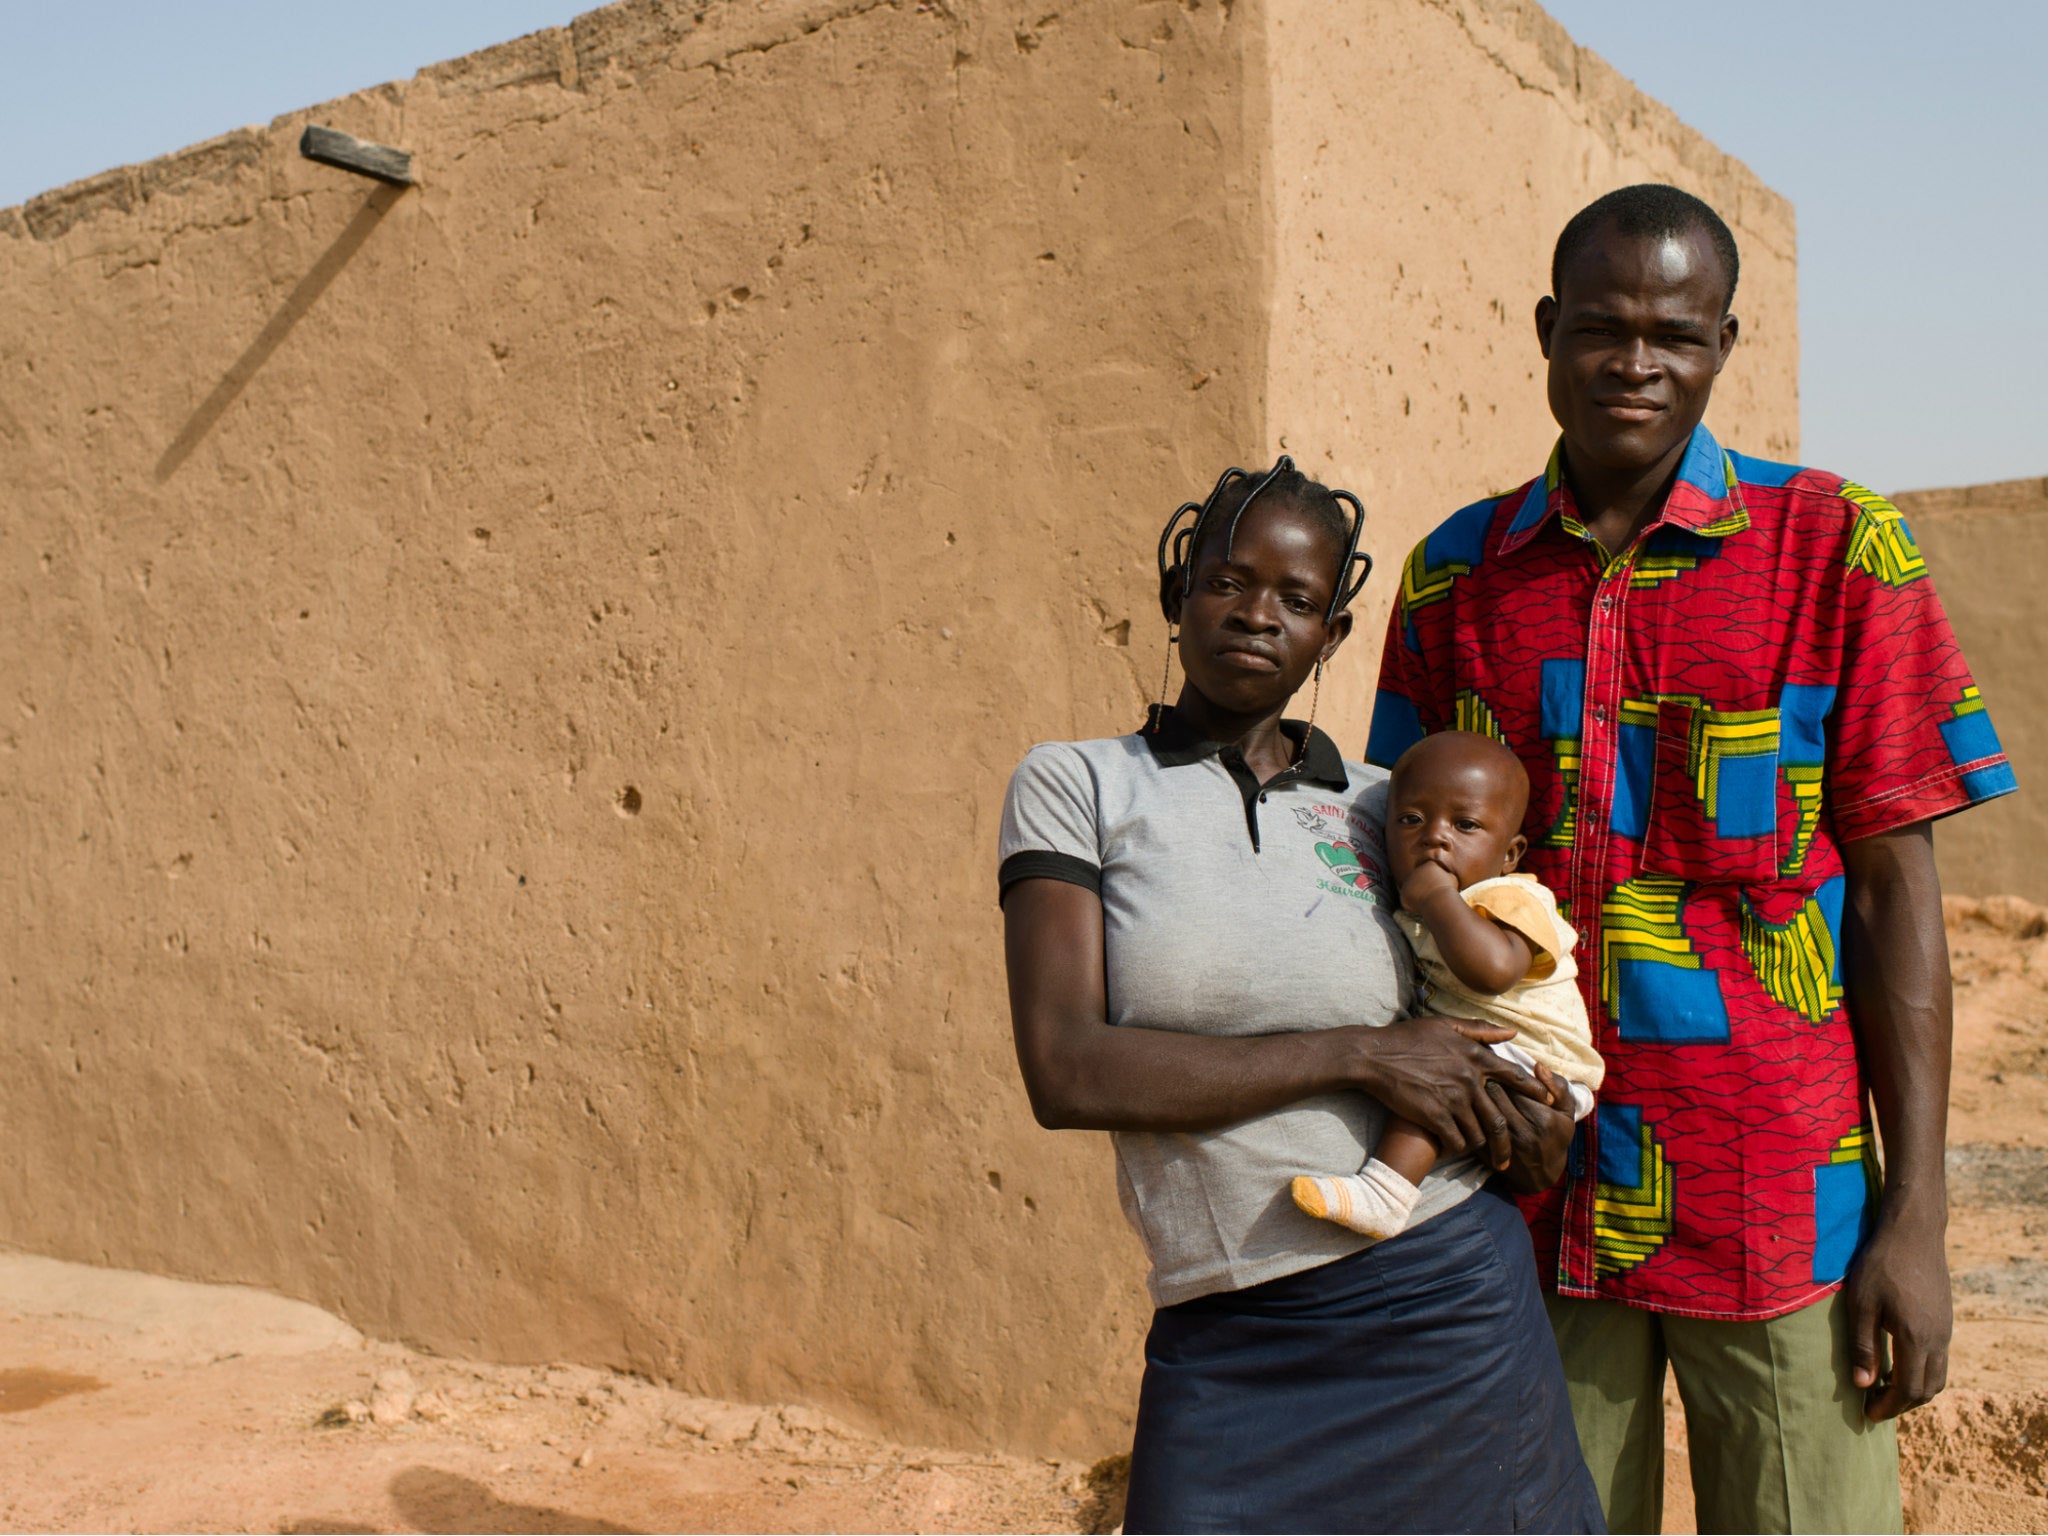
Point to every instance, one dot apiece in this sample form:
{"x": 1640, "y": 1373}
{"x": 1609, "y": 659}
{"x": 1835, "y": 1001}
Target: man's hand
{"x": 1539, "y": 1135}
{"x": 1899, "y": 1289}
{"x": 1438, "y": 1073}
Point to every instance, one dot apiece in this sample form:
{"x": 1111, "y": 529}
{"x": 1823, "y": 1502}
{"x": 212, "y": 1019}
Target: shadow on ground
{"x": 437, "y": 1502}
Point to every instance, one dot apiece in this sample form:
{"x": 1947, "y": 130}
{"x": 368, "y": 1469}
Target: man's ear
{"x": 1517, "y": 846}
{"x": 1729, "y": 327}
{"x": 1546, "y": 322}
{"x": 1169, "y": 593}
{"x": 1340, "y": 631}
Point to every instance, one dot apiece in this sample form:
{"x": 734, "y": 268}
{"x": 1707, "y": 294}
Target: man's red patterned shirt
{"x": 1705, "y": 718}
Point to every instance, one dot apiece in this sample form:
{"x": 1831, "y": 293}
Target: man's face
{"x": 1634, "y": 340}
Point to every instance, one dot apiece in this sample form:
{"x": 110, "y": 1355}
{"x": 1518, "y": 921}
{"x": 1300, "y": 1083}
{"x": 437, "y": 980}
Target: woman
{"x": 1202, "y": 960}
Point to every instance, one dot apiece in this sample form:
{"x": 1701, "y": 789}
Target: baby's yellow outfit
{"x": 1544, "y": 1008}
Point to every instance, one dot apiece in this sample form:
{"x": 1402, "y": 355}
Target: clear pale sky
{"x": 1912, "y": 139}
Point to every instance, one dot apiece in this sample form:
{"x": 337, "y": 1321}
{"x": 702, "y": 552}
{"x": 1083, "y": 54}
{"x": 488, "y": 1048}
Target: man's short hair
{"x": 1650, "y": 209}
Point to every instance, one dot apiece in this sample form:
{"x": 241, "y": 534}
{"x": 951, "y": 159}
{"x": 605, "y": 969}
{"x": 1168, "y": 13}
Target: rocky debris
{"x": 1994, "y": 1176}
{"x": 2019, "y": 1286}
{"x": 717, "y": 1423}
{"x": 2007, "y": 915}
{"x": 392, "y": 1398}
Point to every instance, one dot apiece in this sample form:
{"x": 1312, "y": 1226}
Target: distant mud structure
{"x": 509, "y": 680}
{"x": 1987, "y": 550}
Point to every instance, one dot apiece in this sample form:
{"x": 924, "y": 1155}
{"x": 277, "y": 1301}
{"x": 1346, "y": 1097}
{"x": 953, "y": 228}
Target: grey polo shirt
{"x": 1229, "y": 908}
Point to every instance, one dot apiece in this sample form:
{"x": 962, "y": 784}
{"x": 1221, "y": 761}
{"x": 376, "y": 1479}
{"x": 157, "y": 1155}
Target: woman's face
{"x": 1252, "y": 625}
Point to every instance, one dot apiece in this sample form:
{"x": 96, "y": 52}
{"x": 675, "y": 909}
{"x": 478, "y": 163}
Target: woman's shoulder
{"x": 1072, "y": 773}
{"x": 1067, "y": 758}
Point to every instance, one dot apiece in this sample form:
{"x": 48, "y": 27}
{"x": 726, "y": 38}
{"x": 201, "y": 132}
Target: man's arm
{"x": 1895, "y": 975}
{"x": 1539, "y": 1134}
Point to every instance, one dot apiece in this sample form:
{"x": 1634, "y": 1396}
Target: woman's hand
{"x": 1440, "y": 1074}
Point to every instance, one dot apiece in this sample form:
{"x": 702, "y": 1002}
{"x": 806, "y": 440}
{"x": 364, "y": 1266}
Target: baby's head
{"x": 1457, "y": 799}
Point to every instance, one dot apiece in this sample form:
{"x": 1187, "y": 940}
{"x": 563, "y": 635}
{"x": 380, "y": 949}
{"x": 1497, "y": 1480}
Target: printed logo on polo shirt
{"x": 1349, "y": 847}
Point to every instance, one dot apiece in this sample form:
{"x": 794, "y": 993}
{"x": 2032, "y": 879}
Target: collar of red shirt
{"x": 1705, "y": 498}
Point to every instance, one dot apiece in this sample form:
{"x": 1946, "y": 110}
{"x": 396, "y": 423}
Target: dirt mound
{"x": 1977, "y": 1457}
{"x": 1973, "y": 1461}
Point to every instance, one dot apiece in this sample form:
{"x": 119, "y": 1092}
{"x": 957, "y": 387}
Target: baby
{"x": 1490, "y": 945}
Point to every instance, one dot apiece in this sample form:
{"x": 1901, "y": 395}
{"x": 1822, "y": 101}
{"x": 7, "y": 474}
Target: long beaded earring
{"x": 1314, "y": 699}
{"x": 1165, "y": 676}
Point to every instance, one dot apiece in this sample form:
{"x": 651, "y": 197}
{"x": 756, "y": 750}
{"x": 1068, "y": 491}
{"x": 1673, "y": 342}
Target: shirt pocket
{"x": 1713, "y": 813}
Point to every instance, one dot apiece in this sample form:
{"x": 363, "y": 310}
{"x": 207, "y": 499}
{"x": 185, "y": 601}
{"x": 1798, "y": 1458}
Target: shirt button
{"x": 1262, "y": 798}
{"x": 1607, "y": 600}
{"x": 1600, "y": 714}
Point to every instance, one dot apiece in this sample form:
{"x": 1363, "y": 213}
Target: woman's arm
{"x": 1085, "y": 1074}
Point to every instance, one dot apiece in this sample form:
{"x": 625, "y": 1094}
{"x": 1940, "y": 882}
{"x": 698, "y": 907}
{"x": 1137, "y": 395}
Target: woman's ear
{"x": 1340, "y": 631}
{"x": 1170, "y": 583}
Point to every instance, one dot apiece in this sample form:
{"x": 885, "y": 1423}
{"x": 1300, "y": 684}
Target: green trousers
{"x": 1776, "y": 1427}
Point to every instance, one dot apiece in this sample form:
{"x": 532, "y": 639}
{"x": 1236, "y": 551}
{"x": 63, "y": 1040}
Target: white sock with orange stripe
{"x": 1374, "y": 1202}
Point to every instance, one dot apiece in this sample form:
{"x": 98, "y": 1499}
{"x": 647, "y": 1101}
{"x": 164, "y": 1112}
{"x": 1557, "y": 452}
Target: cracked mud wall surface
{"x": 509, "y": 687}
{"x": 506, "y": 687}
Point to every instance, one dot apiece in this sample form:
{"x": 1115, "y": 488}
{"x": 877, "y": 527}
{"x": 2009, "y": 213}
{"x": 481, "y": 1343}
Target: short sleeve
{"x": 1050, "y": 823}
{"x": 1403, "y": 711}
{"x": 1522, "y": 906}
{"x": 1910, "y": 738}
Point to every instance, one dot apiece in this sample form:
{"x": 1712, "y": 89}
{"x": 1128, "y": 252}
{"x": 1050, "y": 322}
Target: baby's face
{"x": 1464, "y": 813}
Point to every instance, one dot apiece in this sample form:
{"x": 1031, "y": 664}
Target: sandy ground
{"x": 134, "y": 1403}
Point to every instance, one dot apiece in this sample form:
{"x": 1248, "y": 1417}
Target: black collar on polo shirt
{"x": 1175, "y": 744}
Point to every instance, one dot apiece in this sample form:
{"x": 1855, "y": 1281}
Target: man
{"x": 1740, "y": 706}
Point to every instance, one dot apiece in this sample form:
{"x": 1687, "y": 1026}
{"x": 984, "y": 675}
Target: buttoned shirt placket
{"x": 1599, "y": 749}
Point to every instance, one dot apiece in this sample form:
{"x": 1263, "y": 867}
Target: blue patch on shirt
{"x": 1621, "y": 1145}
{"x": 1395, "y": 728}
{"x": 1701, "y": 467}
{"x": 1747, "y": 796}
{"x": 1829, "y": 899}
{"x": 1564, "y": 698}
{"x": 1635, "y": 765}
{"x": 1667, "y": 1004}
{"x": 1971, "y": 738}
{"x": 1764, "y": 472}
{"x": 1803, "y": 710}
{"x": 1990, "y": 783}
{"x": 1460, "y": 539}
{"x": 1841, "y": 1210}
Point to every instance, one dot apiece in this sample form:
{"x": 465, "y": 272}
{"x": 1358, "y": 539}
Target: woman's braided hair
{"x": 1236, "y": 490}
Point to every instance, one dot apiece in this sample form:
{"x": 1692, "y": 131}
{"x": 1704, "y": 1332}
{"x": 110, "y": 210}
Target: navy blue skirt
{"x": 1413, "y": 1386}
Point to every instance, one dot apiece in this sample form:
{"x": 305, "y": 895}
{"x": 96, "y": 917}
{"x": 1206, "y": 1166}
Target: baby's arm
{"x": 1486, "y": 956}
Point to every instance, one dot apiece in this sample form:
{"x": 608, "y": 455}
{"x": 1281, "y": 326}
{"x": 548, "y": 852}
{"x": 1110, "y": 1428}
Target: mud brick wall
{"x": 506, "y": 686}
{"x": 1987, "y": 548}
